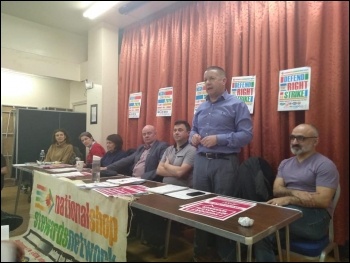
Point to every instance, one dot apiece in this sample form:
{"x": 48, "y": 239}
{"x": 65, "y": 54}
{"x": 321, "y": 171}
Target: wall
{"x": 103, "y": 71}
{"x": 65, "y": 59}
{"x": 41, "y": 50}
{"x": 95, "y": 97}
{"x": 77, "y": 96}
{"x": 35, "y": 91}
{"x": 42, "y": 66}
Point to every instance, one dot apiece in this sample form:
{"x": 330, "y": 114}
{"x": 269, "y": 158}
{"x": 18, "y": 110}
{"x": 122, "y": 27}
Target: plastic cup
{"x": 80, "y": 165}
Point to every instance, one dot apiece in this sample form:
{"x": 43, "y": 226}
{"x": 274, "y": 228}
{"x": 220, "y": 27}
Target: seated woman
{"x": 61, "y": 150}
{"x": 94, "y": 147}
{"x": 114, "y": 150}
{"x": 114, "y": 153}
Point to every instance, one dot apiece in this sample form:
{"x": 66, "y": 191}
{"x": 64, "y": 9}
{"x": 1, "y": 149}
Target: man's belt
{"x": 217, "y": 155}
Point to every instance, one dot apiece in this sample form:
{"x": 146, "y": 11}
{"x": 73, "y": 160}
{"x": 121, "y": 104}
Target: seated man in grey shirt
{"x": 176, "y": 168}
{"x": 176, "y": 164}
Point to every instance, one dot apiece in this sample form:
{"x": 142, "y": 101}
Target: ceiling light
{"x": 98, "y": 8}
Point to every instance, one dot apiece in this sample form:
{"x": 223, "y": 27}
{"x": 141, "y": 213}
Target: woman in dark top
{"x": 114, "y": 152}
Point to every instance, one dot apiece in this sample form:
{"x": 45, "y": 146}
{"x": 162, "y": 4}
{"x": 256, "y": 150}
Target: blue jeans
{"x": 313, "y": 225}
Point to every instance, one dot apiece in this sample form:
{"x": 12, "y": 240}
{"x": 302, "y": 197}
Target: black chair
{"x": 128, "y": 170}
{"x": 255, "y": 180}
{"x": 76, "y": 154}
{"x": 130, "y": 151}
{"x": 13, "y": 221}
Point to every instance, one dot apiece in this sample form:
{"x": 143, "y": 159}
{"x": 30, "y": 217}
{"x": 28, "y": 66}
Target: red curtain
{"x": 246, "y": 38}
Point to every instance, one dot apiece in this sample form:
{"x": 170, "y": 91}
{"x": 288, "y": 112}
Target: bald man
{"x": 306, "y": 182}
{"x": 144, "y": 161}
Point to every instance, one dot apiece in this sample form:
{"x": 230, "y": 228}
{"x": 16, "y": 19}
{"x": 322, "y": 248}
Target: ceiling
{"x": 68, "y": 15}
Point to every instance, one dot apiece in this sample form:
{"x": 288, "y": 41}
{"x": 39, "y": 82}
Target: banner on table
{"x": 70, "y": 224}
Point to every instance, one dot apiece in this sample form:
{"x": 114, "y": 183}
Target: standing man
{"x": 221, "y": 127}
{"x": 144, "y": 161}
{"x": 306, "y": 182}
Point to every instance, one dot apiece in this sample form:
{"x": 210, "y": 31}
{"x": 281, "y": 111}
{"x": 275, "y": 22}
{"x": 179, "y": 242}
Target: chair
{"x": 130, "y": 151}
{"x": 128, "y": 170}
{"x": 254, "y": 180}
{"x": 13, "y": 221}
{"x": 76, "y": 154}
{"x": 319, "y": 249}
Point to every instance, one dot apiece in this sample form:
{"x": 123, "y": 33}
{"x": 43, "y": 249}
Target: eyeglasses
{"x": 299, "y": 138}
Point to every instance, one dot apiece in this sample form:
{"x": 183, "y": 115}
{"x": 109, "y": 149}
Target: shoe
{"x": 13, "y": 221}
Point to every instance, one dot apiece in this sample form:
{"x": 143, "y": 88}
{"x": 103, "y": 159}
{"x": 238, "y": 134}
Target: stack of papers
{"x": 47, "y": 163}
{"x": 96, "y": 185}
{"x": 29, "y": 164}
{"x": 123, "y": 190}
{"x": 218, "y": 207}
{"x": 55, "y": 166}
{"x": 71, "y": 174}
{"x": 129, "y": 180}
{"x": 60, "y": 170}
{"x": 168, "y": 188}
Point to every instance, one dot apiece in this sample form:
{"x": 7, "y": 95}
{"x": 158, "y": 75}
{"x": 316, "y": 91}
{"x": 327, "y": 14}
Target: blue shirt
{"x": 229, "y": 119}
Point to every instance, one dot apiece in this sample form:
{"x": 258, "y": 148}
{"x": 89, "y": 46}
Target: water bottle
{"x": 96, "y": 171}
{"x": 42, "y": 156}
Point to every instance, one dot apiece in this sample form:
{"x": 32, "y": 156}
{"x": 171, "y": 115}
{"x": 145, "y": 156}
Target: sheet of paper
{"x": 5, "y": 232}
{"x": 19, "y": 164}
{"x": 8, "y": 252}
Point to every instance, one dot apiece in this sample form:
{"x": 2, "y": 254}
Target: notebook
{"x": 165, "y": 189}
